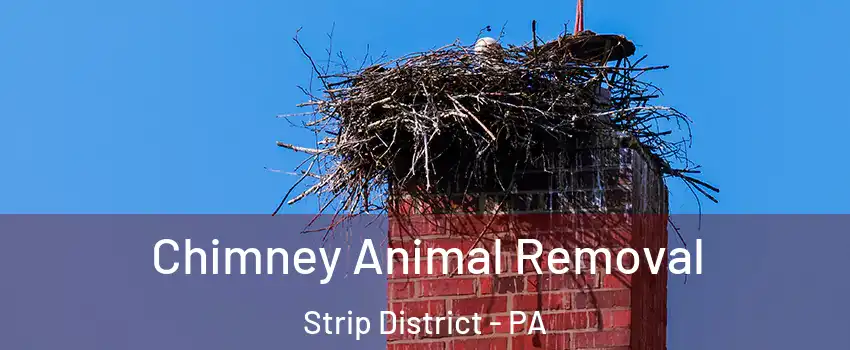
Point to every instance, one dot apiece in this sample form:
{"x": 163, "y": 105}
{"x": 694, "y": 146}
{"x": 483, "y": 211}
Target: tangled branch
{"x": 451, "y": 121}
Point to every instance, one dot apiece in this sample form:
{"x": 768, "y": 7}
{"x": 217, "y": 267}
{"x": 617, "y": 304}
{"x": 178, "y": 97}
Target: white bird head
{"x": 486, "y": 44}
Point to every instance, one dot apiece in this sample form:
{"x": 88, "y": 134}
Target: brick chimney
{"x": 598, "y": 196}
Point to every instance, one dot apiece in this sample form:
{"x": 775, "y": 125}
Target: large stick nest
{"x": 452, "y": 120}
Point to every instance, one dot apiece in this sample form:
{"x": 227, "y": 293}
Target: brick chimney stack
{"x": 603, "y": 194}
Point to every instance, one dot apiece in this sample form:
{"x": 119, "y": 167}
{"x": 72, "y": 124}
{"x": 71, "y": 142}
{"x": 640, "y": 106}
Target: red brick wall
{"x": 585, "y": 311}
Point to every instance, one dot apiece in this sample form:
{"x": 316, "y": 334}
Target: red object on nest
{"x": 579, "y": 17}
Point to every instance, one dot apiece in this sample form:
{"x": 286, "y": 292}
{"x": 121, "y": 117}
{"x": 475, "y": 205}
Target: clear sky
{"x": 169, "y": 106}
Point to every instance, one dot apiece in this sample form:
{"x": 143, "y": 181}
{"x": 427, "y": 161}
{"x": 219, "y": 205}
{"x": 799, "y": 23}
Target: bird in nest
{"x": 488, "y": 51}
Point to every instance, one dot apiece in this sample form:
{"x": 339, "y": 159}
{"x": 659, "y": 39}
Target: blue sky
{"x": 169, "y": 106}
